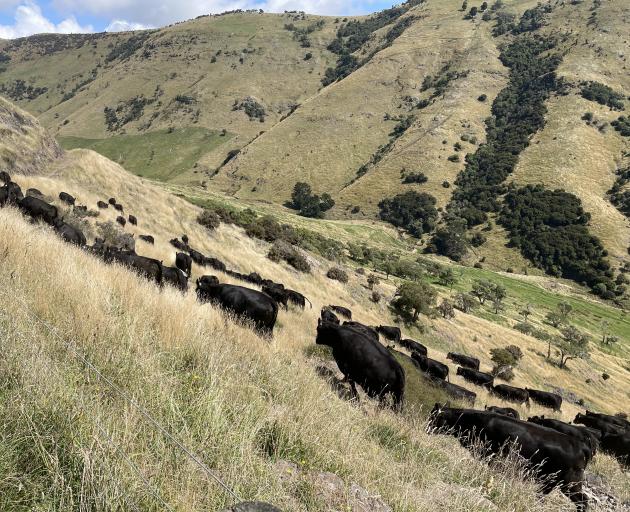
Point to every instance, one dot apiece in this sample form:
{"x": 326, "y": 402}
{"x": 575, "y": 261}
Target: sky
{"x": 19, "y": 18}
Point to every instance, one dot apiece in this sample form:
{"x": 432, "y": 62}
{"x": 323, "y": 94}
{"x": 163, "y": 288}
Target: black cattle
{"x": 253, "y": 278}
{"x": 505, "y": 411}
{"x": 11, "y": 193}
{"x": 102, "y": 205}
{"x": 132, "y": 220}
{"x": 328, "y": 316}
{"x": 297, "y": 299}
{"x": 5, "y": 177}
{"x": 183, "y": 262}
{"x": 413, "y": 346}
{"x": 197, "y": 257}
{"x": 617, "y": 445}
{"x": 363, "y": 361}
{"x": 510, "y": 393}
{"x": 70, "y": 234}
{"x": 456, "y": 391}
{"x": 253, "y": 305}
{"x": 34, "y": 192}
{"x": 582, "y": 433}
{"x": 545, "y": 398}
{"x": 341, "y": 311}
{"x": 614, "y": 420}
{"x": 179, "y": 245}
{"x": 67, "y": 198}
{"x": 600, "y": 424}
{"x": 146, "y": 267}
{"x": 215, "y": 264}
{"x": 112, "y": 201}
{"x": 175, "y": 277}
{"x": 147, "y": 238}
{"x": 389, "y": 332}
{"x": 365, "y": 329}
{"x": 118, "y": 207}
{"x": 475, "y": 376}
{"x": 431, "y": 366}
{"x": 559, "y": 460}
{"x": 465, "y": 361}
{"x": 37, "y": 209}
{"x": 276, "y": 292}
{"x": 121, "y": 220}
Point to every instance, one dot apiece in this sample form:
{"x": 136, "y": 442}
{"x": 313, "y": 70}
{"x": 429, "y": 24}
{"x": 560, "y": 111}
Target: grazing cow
{"x": 67, "y": 198}
{"x": 456, "y": 391}
{"x": 600, "y": 424}
{"x": 197, "y": 257}
{"x": 465, "y": 361}
{"x": 431, "y": 366}
{"x": 132, "y": 220}
{"x": 328, "y": 316}
{"x": 5, "y": 177}
{"x": 147, "y": 238}
{"x": 297, "y": 299}
{"x": 69, "y": 233}
{"x": 175, "y": 277}
{"x": 38, "y": 209}
{"x": 121, "y": 220}
{"x": 505, "y": 411}
{"x": 11, "y": 193}
{"x": 102, "y": 205}
{"x": 146, "y": 267}
{"x": 617, "y": 445}
{"x": 545, "y": 398}
{"x": 559, "y": 460}
{"x": 341, "y": 311}
{"x": 614, "y": 420}
{"x": 582, "y": 433}
{"x": 475, "y": 376}
{"x": 118, "y": 207}
{"x": 365, "y": 329}
{"x": 254, "y": 278}
{"x": 277, "y": 292}
{"x": 112, "y": 201}
{"x": 363, "y": 361}
{"x": 253, "y": 305}
{"x": 510, "y": 393}
{"x": 413, "y": 346}
{"x": 34, "y": 192}
{"x": 215, "y": 264}
{"x": 183, "y": 262}
{"x": 390, "y": 333}
{"x": 179, "y": 245}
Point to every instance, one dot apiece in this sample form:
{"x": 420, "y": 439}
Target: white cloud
{"x": 125, "y": 26}
{"x": 30, "y": 20}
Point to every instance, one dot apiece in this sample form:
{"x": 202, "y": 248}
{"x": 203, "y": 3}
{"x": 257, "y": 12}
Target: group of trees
{"x": 602, "y": 94}
{"x": 619, "y": 195}
{"x": 413, "y": 211}
{"x": 309, "y": 204}
{"x": 484, "y": 290}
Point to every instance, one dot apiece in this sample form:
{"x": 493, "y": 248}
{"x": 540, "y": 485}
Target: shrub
{"x": 283, "y": 251}
{"x": 478, "y": 239}
{"x": 375, "y": 297}
{"x": 309, "y": 204}
{"x": 446, "y": 184}
{"x": 413, "y": 211}
{"x": 588, "y": 117}
{"x": 602, "y": 94}
{"x": 482, "y": 97}
{"x": 605, "y": 376}
{"x": 209, "y": 220}
{"x": 115, "y": 237}
{"x": 415, "y": 177}
{"x": 337, "y": 274}
{"x": 252, "y": 108}
{"x": 453, "y": 158}
{"x": 446, "y": 309}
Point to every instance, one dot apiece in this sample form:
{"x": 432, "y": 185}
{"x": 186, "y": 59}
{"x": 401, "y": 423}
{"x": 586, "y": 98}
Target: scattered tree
{"x": 526, "y": 311}
{"x": 465, "y": 302}
{"x": 413, "y": 299}
{"x": 372, "y": 280}
{"x": 309, "y": 204}
{"x": 572, "y": 344}
{"x": 447, "y": 277}
{"x": 446, "y": 309}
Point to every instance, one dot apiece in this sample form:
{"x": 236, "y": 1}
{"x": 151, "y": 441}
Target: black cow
{"x": 11, "y": 193}
{"x": 582, "y": 433}
{"x": 297, "y": 299}
{"x": 197, "y": 257}
{"x": 112, "y": 201}
{"x": 510, "y": 393}
{"x": 505, "y": 411}
{"x": 600, "y": 424}
{"x": 215, "y": 264}
{"x": 102, "y": 205}
{"x": 67, "y": 198}
{"x": 183, "y": 262}
{"x": 34, "y": 192}
{"x": 389, "y": 332}
{"x": 5, "y": 177}
{"x": 179, "y": 245}
{"x": 614, "y": 420}
{"x": 545, "y": 398}
{"x": 277, "y": 292}
{"x": 431, "y": 366}
{"x": 413, "y": 346}
{"x": 175, "y": 277}
{"x": 253, "y": 305}
{"x": 69, "y": 233}
{"x": 475, "y": 376}
{"x": 363, "y": 361}
{"x": 37, "y": 209}
{"x": 132, "y": 220}
{"x": 254, "y": 278}
{"x": 341, "y": 311}
{"x": 121, "y": 220}
{"x": 465, "y": 361}
{"x": 365, "y": 329}
{"x": 146, "y": 267}
{"x": 456, "y": 391}
{"x": 617, "y": 445}
{"x": 328, "y": 316}
{"x": 147, "y": 238}
{"x": 558, "y": 459}
{"x": 118, "y": 207}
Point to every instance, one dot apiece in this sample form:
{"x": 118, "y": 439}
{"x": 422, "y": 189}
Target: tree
{"x": 465, "y": 302}
{"x": 505, "y": 360}
{"x": 605, "y": 325}
{"x": 484, "y": 6}
{"x": 309, "y": 204}
{"x": 413, "y": 299}
{"x": 451, "y": 240}
{"x": 611, "y": 340}
{"x": 447, "y": 277}
{"x": 572, "y": 344}
{"x": 564, "y": 308}
{"x": 413, "y": 211}
{"x": 526, "y": 311}
{"x": 554, "y": 318}
{"x": 481, "y": 289}
{"x": 473, "y": 12}
{"x": 560, "y": 315}
{"x": 446, "y": 309}
{"x": 465, "y": 5}
{"x": 372, "y": 280}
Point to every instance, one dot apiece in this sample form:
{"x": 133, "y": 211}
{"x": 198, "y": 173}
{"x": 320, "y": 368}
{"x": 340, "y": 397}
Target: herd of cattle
{"x": 559, "y": 450}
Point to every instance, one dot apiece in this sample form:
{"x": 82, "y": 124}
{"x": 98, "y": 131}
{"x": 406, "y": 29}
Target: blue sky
{"x": 20, "y": 18}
